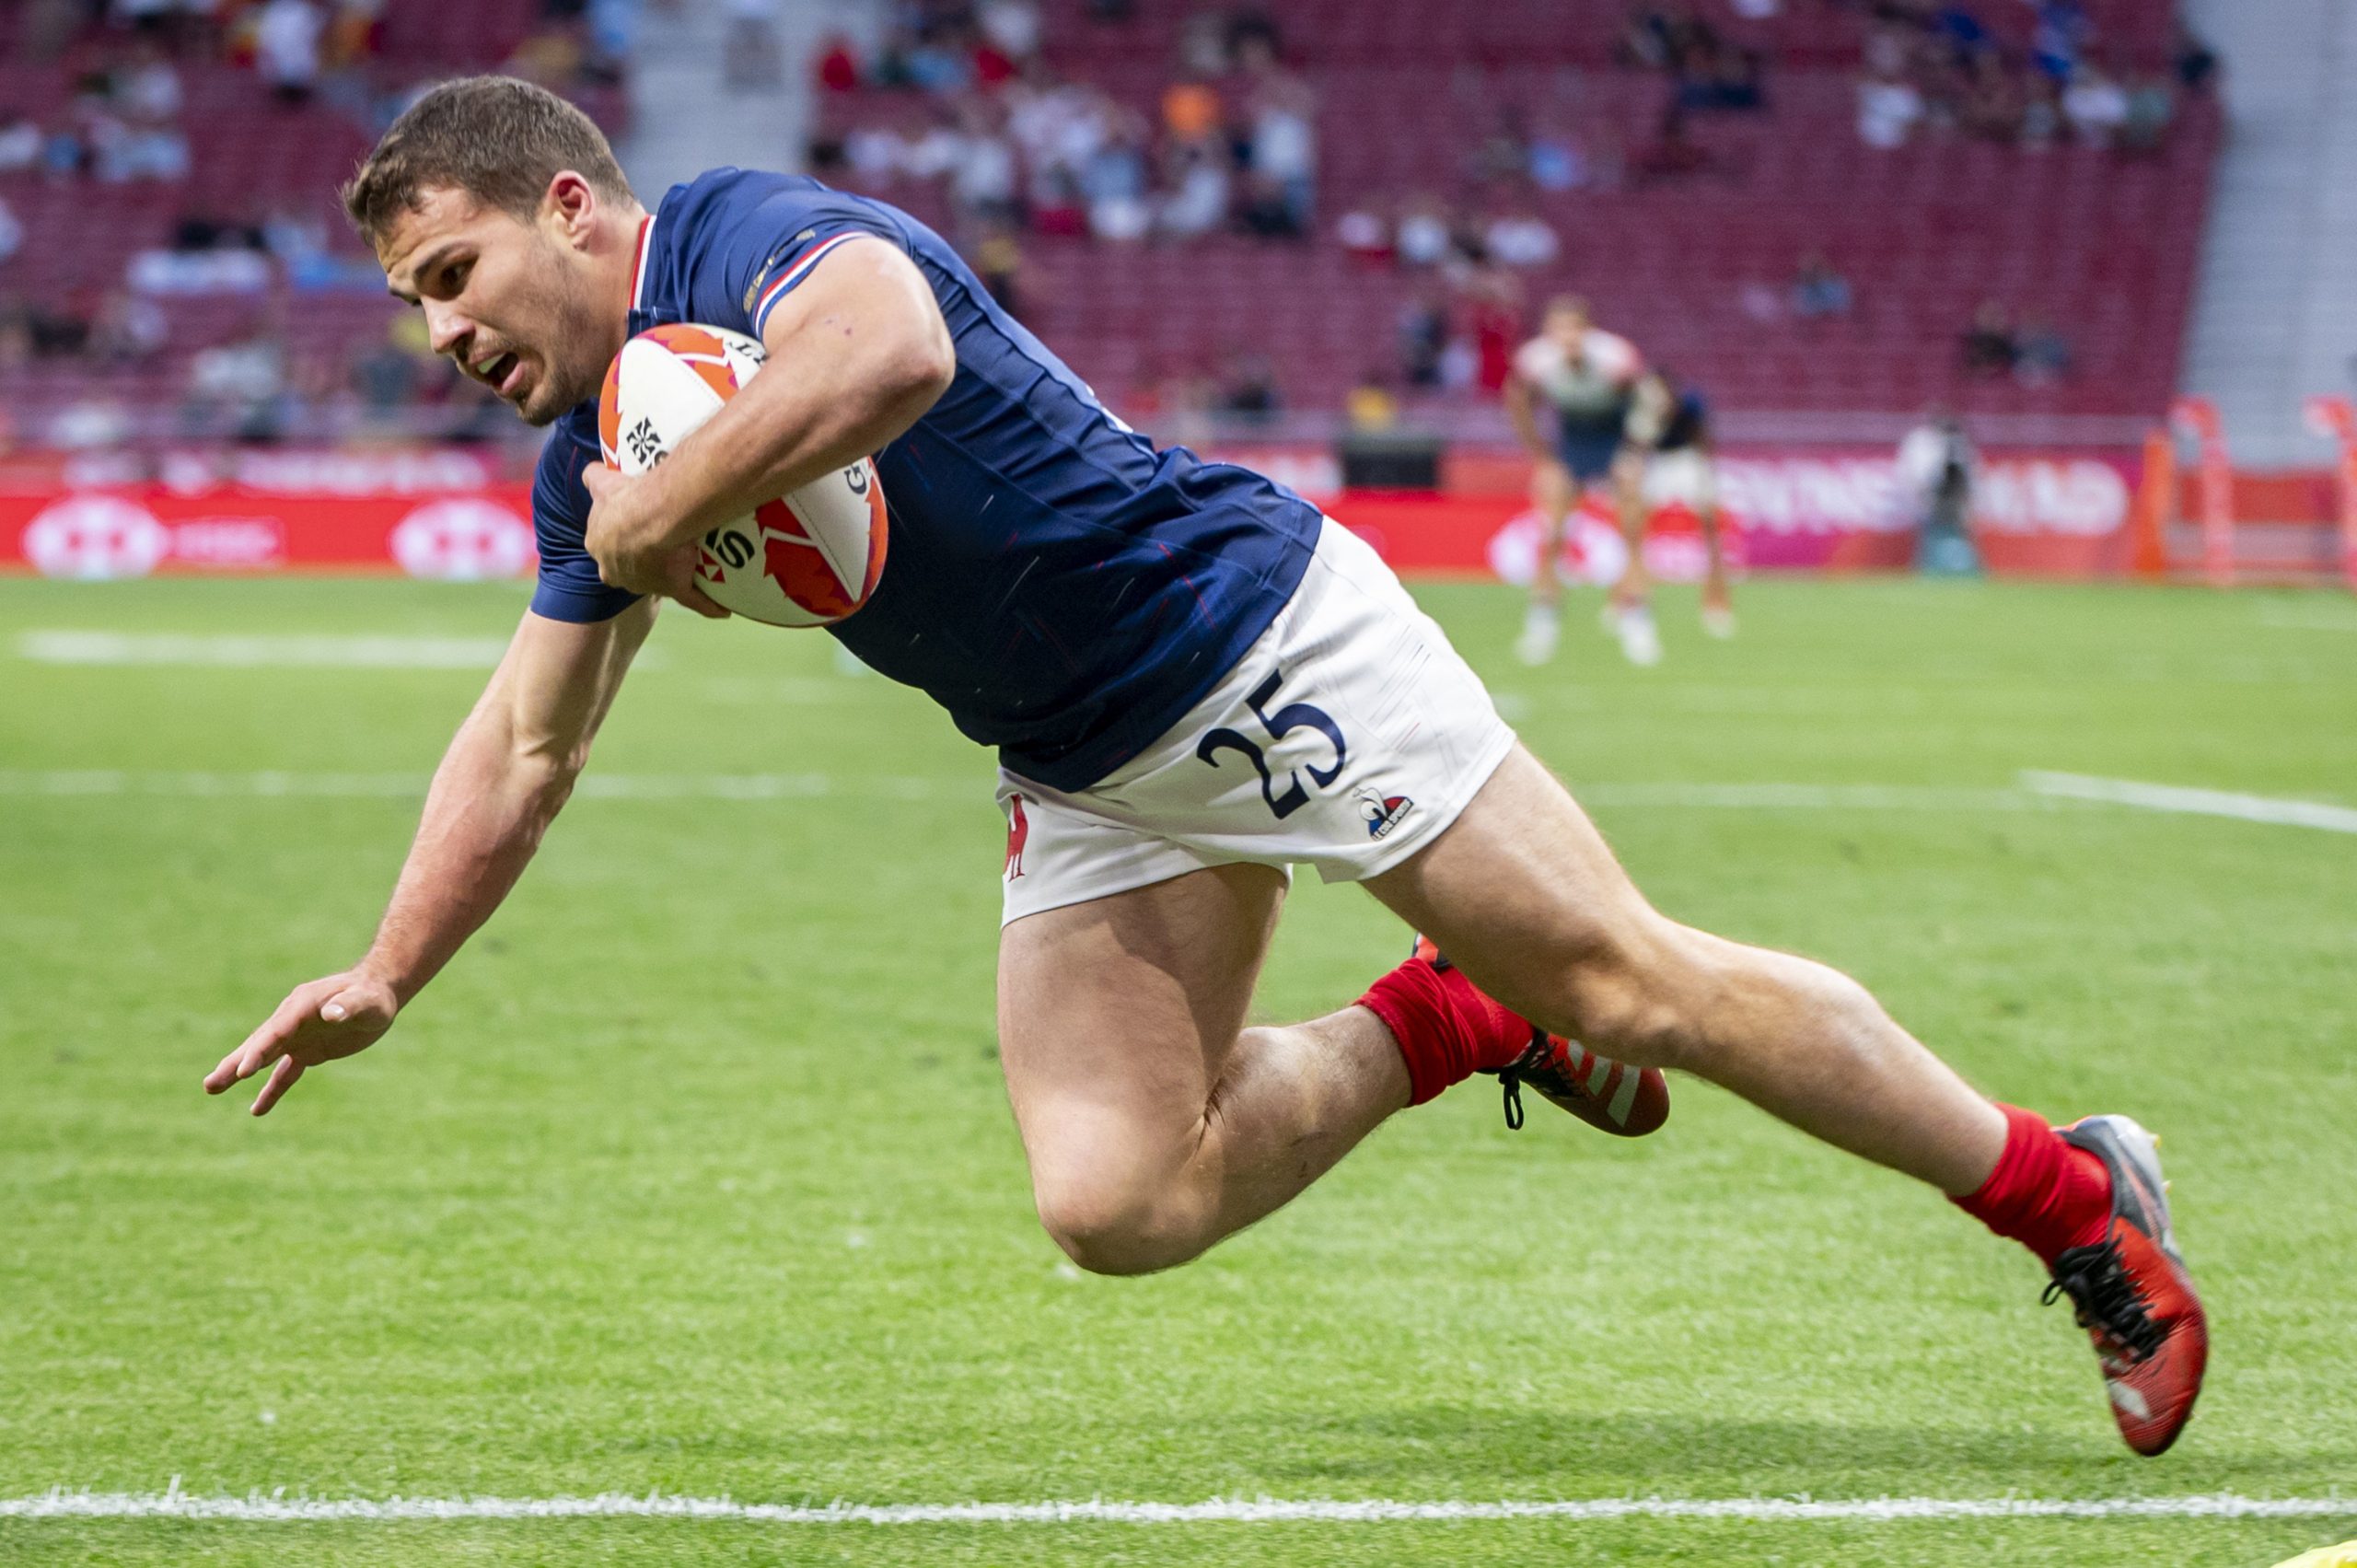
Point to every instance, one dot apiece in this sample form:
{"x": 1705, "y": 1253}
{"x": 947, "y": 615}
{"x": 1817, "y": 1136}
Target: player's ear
{"x": 569, "y": 207}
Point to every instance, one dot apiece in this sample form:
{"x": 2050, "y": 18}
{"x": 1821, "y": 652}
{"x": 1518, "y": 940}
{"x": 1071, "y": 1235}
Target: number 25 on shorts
{"x": 1284, "y": 721}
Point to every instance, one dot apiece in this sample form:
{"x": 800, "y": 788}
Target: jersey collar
{"x": 638, "y": 280}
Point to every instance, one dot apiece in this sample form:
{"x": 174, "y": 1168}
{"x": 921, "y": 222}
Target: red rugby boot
{"x": 2132, "y": 1293}
{"x": 1610, "y": 1095}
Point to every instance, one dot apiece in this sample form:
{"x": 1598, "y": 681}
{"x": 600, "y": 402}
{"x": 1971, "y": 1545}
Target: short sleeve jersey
{"x": 1591, "y": 388}
{"x": 1063, "y": 588}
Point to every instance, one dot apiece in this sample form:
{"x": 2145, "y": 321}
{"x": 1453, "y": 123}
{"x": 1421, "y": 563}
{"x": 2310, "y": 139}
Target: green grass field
{"x": 694, "y": 1173}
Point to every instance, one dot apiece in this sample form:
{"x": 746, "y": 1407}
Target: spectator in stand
{"x": 1521, "y": 238}
{"x": 1195, "y": 178}
{"x": 2041, "y": 119}
{"x": 981, "y": 166}
{"x": 1282, "y": 156}
{"x": 1819, "y": 290}
{"x": 2152, "y": 106}
{"x": 837, "y": 68}
{"x": 1988, "y": 349}
{"x": 2192, "y": 61}
{"x": 2041, "y": 353}
{"x": 1423, "y": 236}
{"x": 1202, "y": 44}
{"x": 1011, "y": 27}
{"x": 12, "y": 233}
{"x": 1667, "y": 38}
{"x": 2060, "y": 37}
{"x": 1504, "y": 155}
{"x": 1728, "y": 77}
{"x": 1191, "y": 111}
{"x": 20, "y": 142}
{"x": 356, "y": 33}
{"x": 1557, "y": 160}
{"x": 998, "y": 261}
{"x": 1424, "y": 339}
{"x": 2097, "y": 106}
{"x": 1114, "y": 182}
{"x": 1369, "y": 405}
{"x": 286, "y": 48}
{"x": 1991, "y": 106}
{"x": 1365, "y": 237}
{"x": 1249, "y": 390}
{"x": 145, "y": 88}
{"x": 128, "y": 330}
{"x": 1889, "y": 108}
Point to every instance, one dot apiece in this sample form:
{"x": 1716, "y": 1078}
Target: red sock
{"x": 1447, "y": 1030}
{"x": 2045, "y": 1194}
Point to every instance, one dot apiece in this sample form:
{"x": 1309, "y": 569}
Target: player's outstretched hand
{"x": 340, "y": 1016}
{"x": 617, "y": 539}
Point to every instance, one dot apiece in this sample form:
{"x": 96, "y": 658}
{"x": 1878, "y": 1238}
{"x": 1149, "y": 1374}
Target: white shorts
{"x": 1350, "y": 736}
{"x": 1682, "y": 478}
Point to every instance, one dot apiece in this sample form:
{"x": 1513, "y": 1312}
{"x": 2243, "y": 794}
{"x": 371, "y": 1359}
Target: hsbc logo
{"x": 92, "y": 537}
{"x": 463, "y": 540}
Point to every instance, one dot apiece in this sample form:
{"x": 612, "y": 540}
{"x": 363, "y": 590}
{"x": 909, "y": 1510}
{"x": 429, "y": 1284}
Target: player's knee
{"x": 1635, "y": 997}
{"x": 1111, "y": 1227}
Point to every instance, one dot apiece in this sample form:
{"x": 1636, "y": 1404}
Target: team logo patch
{"x": 1382, "y": 812}
{"x": 1018, "y": 833}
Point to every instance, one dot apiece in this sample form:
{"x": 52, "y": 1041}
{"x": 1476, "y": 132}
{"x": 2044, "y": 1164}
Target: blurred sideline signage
{"x": 447, "y": 515}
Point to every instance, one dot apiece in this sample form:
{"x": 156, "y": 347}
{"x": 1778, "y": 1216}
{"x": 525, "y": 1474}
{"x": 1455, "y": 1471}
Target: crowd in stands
{"x": 1232, "y": 146}
{"x": 1934, "y": 68}
{"x": 960, "y": 104}
{"x": 203, "y": 321}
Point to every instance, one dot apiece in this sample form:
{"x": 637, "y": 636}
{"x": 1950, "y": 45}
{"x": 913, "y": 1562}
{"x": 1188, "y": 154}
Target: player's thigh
{"x": 1117, "y": 1016}
{"x": 1523, "y": 895}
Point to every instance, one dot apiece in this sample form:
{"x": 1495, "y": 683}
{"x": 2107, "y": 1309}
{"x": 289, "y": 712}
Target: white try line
{"x": 275, "y": 1507}
{"x": 2194, "y": 802}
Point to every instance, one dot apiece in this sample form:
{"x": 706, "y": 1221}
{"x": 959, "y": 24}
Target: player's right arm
{"x": 506, "y": 775}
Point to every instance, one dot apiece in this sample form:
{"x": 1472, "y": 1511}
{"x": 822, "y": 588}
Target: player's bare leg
{"x": 1556, "y": 495}
{"x": 1523, "y": 895}
{"x": 1522, "y": 892}
{"x": 1156, "y": 1122}
{"x": 1628, "y": 612}
{"x": 1718, "y": 599}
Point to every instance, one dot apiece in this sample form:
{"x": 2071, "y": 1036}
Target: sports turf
{"x": 695, "y": 1172}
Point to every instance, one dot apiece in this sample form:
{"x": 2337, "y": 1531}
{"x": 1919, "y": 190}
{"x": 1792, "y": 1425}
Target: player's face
{"x": 510, "y": 304}
{"x": 1568, "y": 328}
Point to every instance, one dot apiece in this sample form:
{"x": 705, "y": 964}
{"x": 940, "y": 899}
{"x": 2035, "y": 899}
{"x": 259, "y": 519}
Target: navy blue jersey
{"x": 1688, "y": 423}
{"x": 1064, "y": 590}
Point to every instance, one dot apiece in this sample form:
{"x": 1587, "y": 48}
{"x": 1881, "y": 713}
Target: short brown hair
{"x": 498, "y": 139}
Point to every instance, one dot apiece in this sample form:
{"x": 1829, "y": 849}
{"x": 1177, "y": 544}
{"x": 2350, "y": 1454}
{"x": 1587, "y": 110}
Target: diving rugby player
{"x": 1193, "y": 681}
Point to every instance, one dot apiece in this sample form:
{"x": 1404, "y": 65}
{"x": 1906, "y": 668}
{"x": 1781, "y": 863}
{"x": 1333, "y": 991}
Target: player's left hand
{"x": 628, "y": 546}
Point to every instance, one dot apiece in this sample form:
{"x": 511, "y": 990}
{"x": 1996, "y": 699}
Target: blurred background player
{"x": 1666, "y": 461}
{"x": 1588, "y": 376}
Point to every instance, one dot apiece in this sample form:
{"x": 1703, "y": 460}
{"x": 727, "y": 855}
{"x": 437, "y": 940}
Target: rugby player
{"x": 1669, "y": 452}
{"x": 1193, "y": 680}
{"x": 1588, "y": 378}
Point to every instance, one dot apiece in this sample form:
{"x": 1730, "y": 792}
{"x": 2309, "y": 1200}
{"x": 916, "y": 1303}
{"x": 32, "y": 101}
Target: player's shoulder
{"x": 1614, "y": 352}
{"x": 707, "y": 208}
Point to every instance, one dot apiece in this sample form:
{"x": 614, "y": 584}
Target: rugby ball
{"x": 805, "y": 559}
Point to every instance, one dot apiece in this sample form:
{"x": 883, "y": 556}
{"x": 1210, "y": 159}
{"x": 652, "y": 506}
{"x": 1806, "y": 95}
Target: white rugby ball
{"x": 802, "y": 560}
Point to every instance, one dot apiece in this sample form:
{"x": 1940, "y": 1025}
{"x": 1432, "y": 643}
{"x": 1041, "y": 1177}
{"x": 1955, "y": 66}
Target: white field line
{"x": 256, "y": 1507}
{"x": 2194, "y": 802}
{"x": 806, "y": 786}
{"x": 260, "y": 651}
{"x": 2039, "y": 791}
{"x": 592, "y": 786}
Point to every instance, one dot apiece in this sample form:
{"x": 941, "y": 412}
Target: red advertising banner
{"x": 2040, "y": 513}
{"x": 133, "y": 533}
{"x": 2059, "y": 514}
